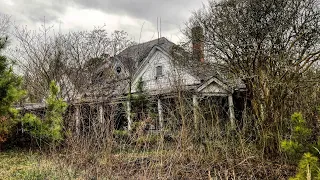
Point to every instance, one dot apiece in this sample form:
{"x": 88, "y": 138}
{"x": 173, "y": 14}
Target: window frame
{"x": 156, "y": 70}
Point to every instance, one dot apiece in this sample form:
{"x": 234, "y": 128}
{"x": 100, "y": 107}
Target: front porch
{"x": 161, "y": 112}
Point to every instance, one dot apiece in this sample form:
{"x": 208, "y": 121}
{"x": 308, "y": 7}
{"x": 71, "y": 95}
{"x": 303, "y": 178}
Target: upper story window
{"x": 159, "y": 71}
{"x": 118, "y": 69}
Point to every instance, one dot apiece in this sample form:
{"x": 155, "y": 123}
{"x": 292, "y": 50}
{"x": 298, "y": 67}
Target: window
{"x": 118, "y": 69}
{"x": 159, "y": 71}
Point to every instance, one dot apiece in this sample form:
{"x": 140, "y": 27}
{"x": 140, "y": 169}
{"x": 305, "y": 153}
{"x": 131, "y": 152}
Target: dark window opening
{"x": 159, "y": 71}
{"x": 118, "y": 69}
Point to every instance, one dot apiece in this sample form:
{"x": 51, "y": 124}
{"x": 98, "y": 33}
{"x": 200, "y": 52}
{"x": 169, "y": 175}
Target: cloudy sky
{"x": 128, "y": 15}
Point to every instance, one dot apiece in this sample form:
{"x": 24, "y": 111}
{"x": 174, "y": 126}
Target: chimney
{"x": 197, "y": 43}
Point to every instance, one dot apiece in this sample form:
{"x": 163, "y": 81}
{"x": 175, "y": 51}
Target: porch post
{"x": 129, "y": 114}
{"x": 195, "y": 110}
{"x": 231, "y": 111}
{"x": 160, "y": 112}
{"x": 77, "y": 118}
{"x": 101, "y": 113}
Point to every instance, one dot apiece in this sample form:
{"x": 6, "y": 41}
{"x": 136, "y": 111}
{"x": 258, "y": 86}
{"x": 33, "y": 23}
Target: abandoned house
{"x": 144, "y": 82}
{"x": 157, "y": 71}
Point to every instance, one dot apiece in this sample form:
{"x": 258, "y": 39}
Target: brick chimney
{"x": 197, "y": 43}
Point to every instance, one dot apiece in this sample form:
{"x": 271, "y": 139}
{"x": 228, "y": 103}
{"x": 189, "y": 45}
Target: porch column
{"x": 231, "y": 111}
{"x": 77, "y": 118}
{"x": 101, "y": 113}
{"x": 195, "y": 110}
{"x": 129, "y": 115}
{"x": 160, "y": 112}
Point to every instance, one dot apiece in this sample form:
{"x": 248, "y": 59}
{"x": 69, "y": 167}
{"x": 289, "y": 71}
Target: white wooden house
{"x": 152, "y": 64}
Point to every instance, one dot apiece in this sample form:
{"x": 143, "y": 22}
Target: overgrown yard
{"x": 34, "y": 165}
{"x": 31, "y": 165}
{"x": 14, "y": 164}
{"x": 136, "y": 165}
{"x": 237, "y": 98}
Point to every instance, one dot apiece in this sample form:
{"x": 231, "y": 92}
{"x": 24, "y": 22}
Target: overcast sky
{"x": 128, "y": 15}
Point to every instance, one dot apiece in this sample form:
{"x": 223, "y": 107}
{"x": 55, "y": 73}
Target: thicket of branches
{"x": 274, "y": 47}
{"x": 72, "y": 59}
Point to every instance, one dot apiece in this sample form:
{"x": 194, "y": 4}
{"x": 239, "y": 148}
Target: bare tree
{"x": 269, "y": 44}
{"x": 120, "y": 41}
{"x": 84, "y": 52}
{"x": 90, "y": 51}
{"x": 4, "y": 24}
{"x": 39, "y": 59}
{"x": 70, "y": 59}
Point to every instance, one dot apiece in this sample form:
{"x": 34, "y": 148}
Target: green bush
{"x": 300, "y": 133}
{"x": 301, "y": 146}
{"x": 291, "y": 147}
{"x": 33, "y": 125}
{"x": 10, "y": 93}
{"x": 50, "y": 128}
{"x": 308, "y": 168}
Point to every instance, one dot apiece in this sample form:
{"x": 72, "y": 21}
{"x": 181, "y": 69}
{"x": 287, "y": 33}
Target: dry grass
{"x": 224, "y": 157}
{"x": 164, "y": 164}
{"x": 31, "y": 165}
{"x": 214, "y": 151}
{"x": 12, "y": 163}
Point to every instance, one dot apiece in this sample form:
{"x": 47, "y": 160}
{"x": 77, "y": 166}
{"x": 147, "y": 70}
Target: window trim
{"x": 156, "y": 71}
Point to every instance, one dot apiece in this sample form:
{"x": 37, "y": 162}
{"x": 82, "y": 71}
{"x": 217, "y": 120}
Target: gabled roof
{"x": 148, "y": 56}
{"x": 140, "y": 51}
{"x": 137, "y": 56}
{"x": 216, "y": 80}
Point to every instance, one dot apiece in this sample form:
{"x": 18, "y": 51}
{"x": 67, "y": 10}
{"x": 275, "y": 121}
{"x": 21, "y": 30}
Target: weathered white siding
{"x": 214, "y": 88}
{"x": 171, "y": 75}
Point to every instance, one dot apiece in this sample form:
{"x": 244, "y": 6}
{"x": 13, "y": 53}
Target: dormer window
{"x": 159, "y": 72}
{"x": 118, "y": 69}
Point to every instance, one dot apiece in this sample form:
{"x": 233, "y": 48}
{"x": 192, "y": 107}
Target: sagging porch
{"x": 160, "y": 112}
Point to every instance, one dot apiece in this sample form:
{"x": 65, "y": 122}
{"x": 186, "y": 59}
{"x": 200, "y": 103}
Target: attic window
{"x": 118, "y": 69}
{"x": 159, "y": 71}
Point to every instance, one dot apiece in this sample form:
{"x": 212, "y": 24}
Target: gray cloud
{"x": 35, "y": 10}
{"x": 172, "y": 12}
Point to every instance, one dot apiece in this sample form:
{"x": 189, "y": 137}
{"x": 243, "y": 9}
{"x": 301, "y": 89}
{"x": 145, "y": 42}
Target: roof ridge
{"x": 154, "y": 40}
{"x": 148, "y": 42}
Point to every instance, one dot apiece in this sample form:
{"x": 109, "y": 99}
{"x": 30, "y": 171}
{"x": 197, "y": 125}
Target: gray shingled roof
{"x": 201, "y": 70}
{"x": 140, "y": 51}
